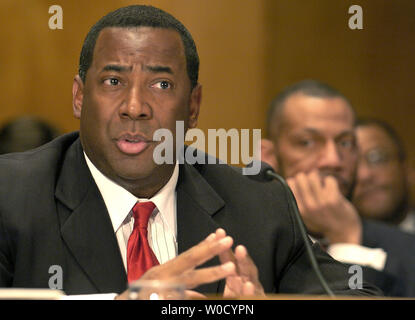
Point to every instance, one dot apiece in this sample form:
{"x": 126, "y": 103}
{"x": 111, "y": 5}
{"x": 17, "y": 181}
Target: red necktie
{"x": 140, "y": 257}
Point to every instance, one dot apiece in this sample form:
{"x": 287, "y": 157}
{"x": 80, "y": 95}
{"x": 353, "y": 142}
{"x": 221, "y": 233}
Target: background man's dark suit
{"x": 52, "y": 213}
{"x": 398, "y": 276}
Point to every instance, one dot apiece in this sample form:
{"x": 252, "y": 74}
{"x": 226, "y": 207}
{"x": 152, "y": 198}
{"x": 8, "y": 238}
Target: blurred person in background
{"x": 25, "y": 133}
{"x": 312, "y": 143}
{"x": 382, "y": 185}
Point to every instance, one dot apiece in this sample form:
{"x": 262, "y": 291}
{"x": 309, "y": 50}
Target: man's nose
{"x": 136, "y": 105}
{"x": 330, "y": 157}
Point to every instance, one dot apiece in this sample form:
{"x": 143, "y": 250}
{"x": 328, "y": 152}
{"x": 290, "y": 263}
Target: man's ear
{"x": 268, "y": 153}
{"x": 77, "y": 96}
{"x": 194, "y": 105}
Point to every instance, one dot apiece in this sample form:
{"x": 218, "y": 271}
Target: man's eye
{"x": 112, "y": 82}
{"x": 162, "y": 85}
{"x": 376, "y": 157}
{"x": 347, "y": 144}
{"x": 306, "y": 143}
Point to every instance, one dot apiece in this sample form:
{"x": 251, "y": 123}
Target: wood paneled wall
{"x": 249, "y": 50}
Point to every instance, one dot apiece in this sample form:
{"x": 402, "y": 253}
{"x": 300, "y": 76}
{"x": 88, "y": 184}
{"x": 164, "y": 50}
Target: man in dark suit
{"x": 313, "y": 145}
{"x": 138, "y": 73}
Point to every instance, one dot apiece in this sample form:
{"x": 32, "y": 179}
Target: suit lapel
{"x": 197, "y": 203}
{"x": 87, "y": 230}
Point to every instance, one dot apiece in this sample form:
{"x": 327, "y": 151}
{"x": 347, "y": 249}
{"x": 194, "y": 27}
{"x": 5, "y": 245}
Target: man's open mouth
{"x": 132, "y": 144}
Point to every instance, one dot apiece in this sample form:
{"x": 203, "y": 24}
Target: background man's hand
{"x": 325, "y": 211}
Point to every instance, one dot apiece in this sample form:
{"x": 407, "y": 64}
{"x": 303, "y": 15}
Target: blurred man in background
{"x": 382, "y": 187}
{"x": 312, "y": 144}
{"x": 25, "y": 133}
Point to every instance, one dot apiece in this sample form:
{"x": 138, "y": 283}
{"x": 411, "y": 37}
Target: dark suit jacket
{"x": 398, "y": 276}
{"x": 52, "y": 213}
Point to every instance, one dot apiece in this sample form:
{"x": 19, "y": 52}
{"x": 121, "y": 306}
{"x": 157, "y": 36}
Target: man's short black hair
{"x": 140, "y": 16}
{"x": 309, "y": 87}
{"x": 389, "y": 130}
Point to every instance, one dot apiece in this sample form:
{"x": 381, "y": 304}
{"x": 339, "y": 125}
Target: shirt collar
{"x": 119, "y": 201}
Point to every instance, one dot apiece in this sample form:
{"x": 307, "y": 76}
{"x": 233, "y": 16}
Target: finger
{"x": 226, "y": 256}
{"x": 307, "y": 195}
{"x": 190, "y": 294}
{"x": 316, "y": 185}
{"x": 248, "y": 289}
{"x": 123, "y": 296}
{"x": 196, "y": 255}
{"x": 248, "y": 269}
{"x": 197, "y": 277}
{"x": 332, "y": 191}
{"x": 331, "y": 184}
{"x": 220, "y": 233}
{"x": 297, "y": 195}
{"x": 233, "y": 286}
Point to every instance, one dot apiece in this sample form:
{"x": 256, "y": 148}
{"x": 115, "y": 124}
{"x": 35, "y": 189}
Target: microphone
{"x": 267, "y": 173}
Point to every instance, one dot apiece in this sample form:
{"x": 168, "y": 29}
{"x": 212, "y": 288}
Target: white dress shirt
{"x": 162, "y": 225}
{"x": 357, "y": 254}
{"x": 372, "y": 257}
